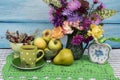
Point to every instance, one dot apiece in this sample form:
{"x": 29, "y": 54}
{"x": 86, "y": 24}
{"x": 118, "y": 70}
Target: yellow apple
{"x": 40, "y": 43}
{"x": 55, "y": 44}
{"x": 46, "y": 34}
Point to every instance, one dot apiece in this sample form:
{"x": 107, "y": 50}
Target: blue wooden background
{"x": 29, "y": 15}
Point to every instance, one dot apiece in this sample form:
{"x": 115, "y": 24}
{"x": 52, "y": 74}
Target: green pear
{"x": 64, "y": 57}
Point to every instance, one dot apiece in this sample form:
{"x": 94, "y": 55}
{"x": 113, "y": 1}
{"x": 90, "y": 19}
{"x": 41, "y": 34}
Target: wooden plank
{"x": 22, "y": 27}
{"x": 23, "y": 10}
{"x": 113, "y": 19}
{"x": 37, "y": 10}
{"x": 110, "y": 31}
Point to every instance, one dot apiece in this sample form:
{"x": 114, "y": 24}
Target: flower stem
{"x": 91, "y": 9}
{"x": 85, "y": 46}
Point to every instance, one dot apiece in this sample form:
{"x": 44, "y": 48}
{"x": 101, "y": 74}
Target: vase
{"x": 77, "y": 50}
{"x": 16, "y": 48}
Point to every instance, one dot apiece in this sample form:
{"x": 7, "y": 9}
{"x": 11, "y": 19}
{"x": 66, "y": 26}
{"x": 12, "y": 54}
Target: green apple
{"x": 55, "y": 44}
{"x": 46, "y": 34}
{"x": 64, "y": 57}
{"x": 40, "y": 43}
{"x": 49, "y": 54}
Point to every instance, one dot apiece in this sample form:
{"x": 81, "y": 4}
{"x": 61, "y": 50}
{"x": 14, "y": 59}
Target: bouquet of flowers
{"x": 79, "y": 19}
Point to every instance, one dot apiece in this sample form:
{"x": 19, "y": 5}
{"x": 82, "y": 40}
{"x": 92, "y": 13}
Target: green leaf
{"x": 102, "y": 40}
{"x": 56, "y": 3}
{"x": 114, "y": 39}
{"x": 105, "y": 13}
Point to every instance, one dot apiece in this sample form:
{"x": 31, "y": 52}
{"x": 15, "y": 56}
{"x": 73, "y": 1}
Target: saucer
{"x": 17, "y": 64}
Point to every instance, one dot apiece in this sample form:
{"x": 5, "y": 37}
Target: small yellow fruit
{"x": 55, "y": 44}
{"x": 46, "y": 34}
{"x": 40, "y": 43}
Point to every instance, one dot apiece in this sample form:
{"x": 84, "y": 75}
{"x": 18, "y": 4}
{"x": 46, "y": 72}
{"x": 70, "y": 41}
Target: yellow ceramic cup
{"x": 28, "y": 55}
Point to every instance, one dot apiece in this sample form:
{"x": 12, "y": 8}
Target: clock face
{"x": 99, "y": 53}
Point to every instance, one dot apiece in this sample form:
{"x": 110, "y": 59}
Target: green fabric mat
{"x": 80, "y": 70}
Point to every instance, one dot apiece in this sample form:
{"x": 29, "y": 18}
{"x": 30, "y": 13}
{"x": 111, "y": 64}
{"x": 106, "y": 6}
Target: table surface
{"x": 114, "y": 60}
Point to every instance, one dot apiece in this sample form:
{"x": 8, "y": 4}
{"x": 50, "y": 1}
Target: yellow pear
{"x": 64, "y": 57}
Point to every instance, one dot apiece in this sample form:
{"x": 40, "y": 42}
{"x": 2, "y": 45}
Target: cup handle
{"x": 40, "y": 56}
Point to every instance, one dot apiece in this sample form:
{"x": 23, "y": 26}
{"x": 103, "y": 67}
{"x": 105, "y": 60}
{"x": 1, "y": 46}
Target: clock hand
{"x": 98, "y": 53}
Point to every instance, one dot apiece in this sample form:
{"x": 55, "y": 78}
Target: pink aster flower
{"x": 86, "y": 23}
{"x": 101, "y": 6}
{"x": 76, "y": 24}
{"x": 95, "y": 19}
{"x": 73, "y": 5}
{"x": 67, "y": 29}
{"x": 95, "y": 1}
{"x": 81, "y": 28}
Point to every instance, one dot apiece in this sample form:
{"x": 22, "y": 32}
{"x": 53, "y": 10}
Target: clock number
{"x": 91, "y": 51}
{"x": 98, "y": 58}
{"x": 104, "y": 57}
{"x": 106, "y": 54}
{"x": 100, "y": 47}
{"x": 101, "y": 59}
{"x": 106, "y": 50}
{"x": 93, "y": 47}
{"x": 93, "y": 55}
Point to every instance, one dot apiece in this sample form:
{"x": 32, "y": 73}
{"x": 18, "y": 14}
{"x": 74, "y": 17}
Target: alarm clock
{"x": 99, "y": 52}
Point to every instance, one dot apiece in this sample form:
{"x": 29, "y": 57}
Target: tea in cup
{"x": 28, "y": 55}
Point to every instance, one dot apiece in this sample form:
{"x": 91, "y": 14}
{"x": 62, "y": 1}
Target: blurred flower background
{"x": 78, "y": 17}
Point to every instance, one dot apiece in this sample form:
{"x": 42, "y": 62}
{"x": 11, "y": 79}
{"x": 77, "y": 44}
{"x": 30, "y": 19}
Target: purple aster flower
{"x": 51, "y": 11}
{"x": 58, "y": 20}
{"x": 86, "y": 23}
{"x": 74, "y": 17}
{"x": 74, "y": 5}
{"x": 67, "y": 12}
{"x": 77, "y": 39}
{"x": 95, "y": 19}
{"x": 88, "y": 39}
{"x": 63, "y": 2}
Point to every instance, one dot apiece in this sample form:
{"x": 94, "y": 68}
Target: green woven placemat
{"x": 80, "y": 70}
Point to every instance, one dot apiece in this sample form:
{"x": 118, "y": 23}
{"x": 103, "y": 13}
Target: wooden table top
{"x": 114, "y": 60}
